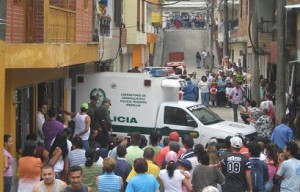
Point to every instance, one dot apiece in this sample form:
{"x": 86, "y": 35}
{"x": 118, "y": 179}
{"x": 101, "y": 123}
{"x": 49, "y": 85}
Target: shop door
{"x": 24, "y": 118}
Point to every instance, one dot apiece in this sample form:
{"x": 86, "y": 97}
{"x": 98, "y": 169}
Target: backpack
{"x": 257, "y": 175}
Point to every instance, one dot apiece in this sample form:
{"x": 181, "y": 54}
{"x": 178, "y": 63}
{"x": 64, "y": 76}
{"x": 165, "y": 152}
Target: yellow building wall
{"x": 18, "y": 78}
{"x": 2, "y": 91}
{"x": 130, "y": 17}
{"x": 49, "y": 55}
{"x": 137, "y": 56}
{"x": 153, "y": 1}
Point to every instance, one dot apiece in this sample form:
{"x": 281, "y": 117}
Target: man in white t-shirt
{"x": 40, "y": 120}
{"x": 289, "y": 170}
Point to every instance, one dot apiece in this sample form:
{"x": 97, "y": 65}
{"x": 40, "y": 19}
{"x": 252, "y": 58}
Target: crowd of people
{"x": 134, "y": 164}
{"x": 88, "y": 157}
{"x": 187, "y": 21}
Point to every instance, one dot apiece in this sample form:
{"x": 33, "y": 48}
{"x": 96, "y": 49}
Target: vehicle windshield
{"x": 205, "y": 115}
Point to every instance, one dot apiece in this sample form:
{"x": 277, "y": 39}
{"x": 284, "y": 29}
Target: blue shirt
{"x": 222, "y": 82}
{"x": 281, "y": 135}
{"x": 190, "y": 92}
{"x": 122, "y": 169}
{"x": 142, "y": 183}
{"x": 290, "y": 171}
{"x": 109, "y": 182}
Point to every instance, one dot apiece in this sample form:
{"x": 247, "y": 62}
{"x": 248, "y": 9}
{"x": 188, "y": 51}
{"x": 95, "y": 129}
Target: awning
{"x": 294, "y": 6}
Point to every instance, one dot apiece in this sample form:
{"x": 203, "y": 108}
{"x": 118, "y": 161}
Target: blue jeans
{"x": 205, "y": 99}
{"x": 86, "y": 144}
{"x": 7, "y": 184}
{"x": 269, "y": 186}
{"x": 235, "y": 114}
{"x": 198, "y": 61}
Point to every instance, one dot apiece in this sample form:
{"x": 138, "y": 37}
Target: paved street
{"x": 225, "y": 113}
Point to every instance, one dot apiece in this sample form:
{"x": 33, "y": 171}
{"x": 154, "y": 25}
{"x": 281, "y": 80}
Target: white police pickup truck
{"x": 141, "y": 102}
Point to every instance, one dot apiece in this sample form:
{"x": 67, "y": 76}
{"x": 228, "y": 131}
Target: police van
{"x": 143, "y": 103}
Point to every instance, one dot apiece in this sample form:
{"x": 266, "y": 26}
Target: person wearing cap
{"x": 205, "y": 174}
{"x": 185, "y": 167}
{"x": 104, "y": 120}
{"x": 171, "y": 178}
{"x": 159, "y": 158}
{"x": 236, "y": 169}
{"x": 82, "y": 124}
{"x": 101, "y": 8}
{"x": 51, "y": 127}
{"x": 244, "y": 149}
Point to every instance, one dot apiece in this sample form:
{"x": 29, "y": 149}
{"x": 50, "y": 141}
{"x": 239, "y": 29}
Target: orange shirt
{"x": 245, "y": 151}
{"x": 29, "y": 167}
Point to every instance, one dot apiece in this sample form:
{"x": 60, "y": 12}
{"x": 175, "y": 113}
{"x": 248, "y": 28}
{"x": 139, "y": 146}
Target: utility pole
{"x": 255, "y": 82}
{"x": 212, "y": 30}
{"x": 226, "y": 28}
{"x": 281, "y": 62}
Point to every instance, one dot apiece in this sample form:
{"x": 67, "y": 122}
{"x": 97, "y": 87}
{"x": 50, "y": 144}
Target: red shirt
{"x": 161, "y": 154}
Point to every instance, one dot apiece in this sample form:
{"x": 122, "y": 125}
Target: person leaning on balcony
{"x": 101, "y": 9}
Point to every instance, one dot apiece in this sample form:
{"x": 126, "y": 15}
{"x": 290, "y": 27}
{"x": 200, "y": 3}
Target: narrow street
{"x": 225, "y": 113}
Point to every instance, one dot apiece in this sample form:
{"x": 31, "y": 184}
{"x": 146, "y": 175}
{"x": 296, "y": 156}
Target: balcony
{"x": 60, "y": 25}
{"x": 104, "y": 26}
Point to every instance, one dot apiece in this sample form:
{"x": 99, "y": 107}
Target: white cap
{"x": 236, "y": 142}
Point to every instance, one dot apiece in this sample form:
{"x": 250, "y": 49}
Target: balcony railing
{"x": 60, "y": 25}
{"x": 104, "y": 24}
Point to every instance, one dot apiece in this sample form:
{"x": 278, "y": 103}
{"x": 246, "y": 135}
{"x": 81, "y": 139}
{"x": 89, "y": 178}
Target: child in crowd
{"x": 228, "y": 90}
{"x": 213, "y": 94}
{"x": 185, "y": 166}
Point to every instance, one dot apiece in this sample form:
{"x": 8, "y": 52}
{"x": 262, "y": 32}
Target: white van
{"x": 143, "y": 103}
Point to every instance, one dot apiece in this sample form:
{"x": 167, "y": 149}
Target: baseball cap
{"x": 104, "y": 2}
{"x": 186, "y": 163}
{"x": 85, "y": 106}
{"x": 171, "y": 156}
{"x": 174, "y": 136}
{"x": 236, "y": 142}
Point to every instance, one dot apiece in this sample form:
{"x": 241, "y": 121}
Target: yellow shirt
{"x": 152, "y": 170}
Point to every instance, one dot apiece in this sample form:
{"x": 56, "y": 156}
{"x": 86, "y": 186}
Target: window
{"x": 118, "y": 12}
{"x": 205, "y": 115}
{"x": 176, "y": 116}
